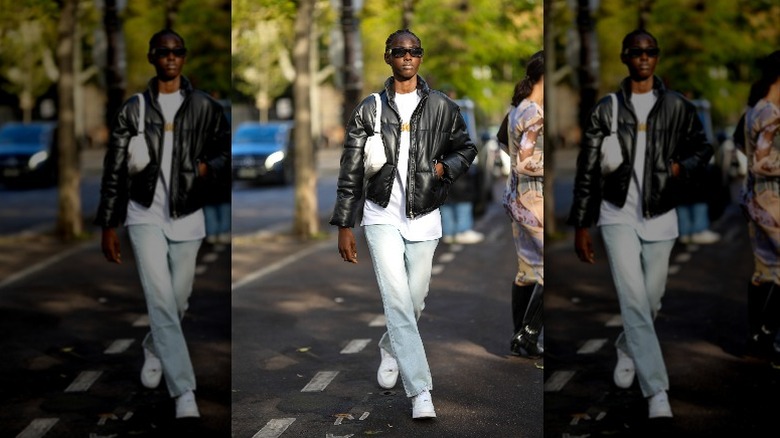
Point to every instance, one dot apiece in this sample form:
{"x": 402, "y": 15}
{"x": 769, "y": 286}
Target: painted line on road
{"x": 591, "y": 346}
{"x": 119, "y": 346}
{"x": 38, "y": 428}
{"x": 437, "y": 269}
{"x": 142, "y": 321}
{"x": 210, "y": 257}
{"x": 24, "y": 273}
{"x": 273, "y": 267}
{"x": 683, "y": 257}
{"x": 558, "y": 380}
{"x": 378, "y": 321}
{"x": 615, "y": 321}
{"x": 274, "y": 428}
{"x": 200, "y": 269}
{"x": 83, "y": 381}
{"x": 674, "y": 269}
{"x": 446, "y": 257}
{"x": 355, "y": 346}
{"x": 320, "y": 381}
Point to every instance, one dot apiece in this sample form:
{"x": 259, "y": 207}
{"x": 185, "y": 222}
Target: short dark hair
{"x": 633, "y": 34}
{"x": 160, "y": 34}
{"x": 398, "y": 33}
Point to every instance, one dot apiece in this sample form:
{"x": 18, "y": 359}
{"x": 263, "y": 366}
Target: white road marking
{"x": 119, "y": 346}
{"x": 83, "y": 381}
{"x": 558, "y": 380}
{"x": 13, "y": 278}
{"x": 200, "y": 269}
{"x": 683, "y": 257}
{"x": 615, "y": 321}
{"x": 674, "y": 269}
{"x": 446, "y": 257}
{"x": 437, "y": 269}
{"x": 273, "y": 267}
{"x": 364, "y": 416}
{"x": 38, "y": 428}
{"x": 320, "y": 381}
{"x": 355, "y": 346}
{"x": 142, "y": 321}
{"x": 591, "y": 346}
{"x": 274, "y": 428}
{"x": 210, "y": 257}
{"x": 378, "y": 321}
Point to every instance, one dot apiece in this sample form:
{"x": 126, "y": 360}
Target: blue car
{"x": 28, "y": 153}
{"x": 262, "y": 152}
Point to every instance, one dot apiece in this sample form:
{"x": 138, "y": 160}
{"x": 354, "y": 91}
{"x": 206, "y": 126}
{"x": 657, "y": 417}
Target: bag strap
{"x": 378, "y": 114}
{"x": 614, "y": 112}
{"x": 141, "y": 112}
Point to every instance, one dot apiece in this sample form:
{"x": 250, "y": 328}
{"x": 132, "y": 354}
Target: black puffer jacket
{"x": 201, "y": 134}
{"x": 438, "y": 134}
{"x": 674, "y": 134}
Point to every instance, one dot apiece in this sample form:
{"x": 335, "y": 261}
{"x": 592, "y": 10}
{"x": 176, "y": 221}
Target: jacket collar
{"x": 422, "y": 87}
{"x": 658, "y": 87}
{"x": 185, "y": 87}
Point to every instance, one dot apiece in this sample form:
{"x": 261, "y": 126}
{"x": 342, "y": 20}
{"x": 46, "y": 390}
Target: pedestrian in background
{"x": 663, "y": 146}
{"x": 760, "y": 201}
{"x": 427, "y": 147}
{"x": 188, "y": 139}
{"x": 524, "y": 203}
{"x": 457, "y": 212}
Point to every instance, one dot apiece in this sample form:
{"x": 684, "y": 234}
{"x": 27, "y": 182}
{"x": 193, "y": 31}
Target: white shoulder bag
{"x": 374, "y": 150}
{"x": 611, "y": 154}
{"x": 137, "y": 150}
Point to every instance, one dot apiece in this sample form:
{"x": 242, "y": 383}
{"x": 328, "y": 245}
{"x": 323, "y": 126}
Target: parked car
{"x": 263, "y": 151}
{"x": 28, "y": 153}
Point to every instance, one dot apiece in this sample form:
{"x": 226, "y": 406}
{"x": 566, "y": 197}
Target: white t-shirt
{"x": 190, "y": 227}
{"x": 663, "y": 227}
{"x": 427, "y": 227}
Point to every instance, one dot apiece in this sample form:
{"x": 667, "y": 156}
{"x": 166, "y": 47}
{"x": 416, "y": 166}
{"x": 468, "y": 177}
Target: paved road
{"x": 301, "y": 316}
{"x": 717, "y": 389}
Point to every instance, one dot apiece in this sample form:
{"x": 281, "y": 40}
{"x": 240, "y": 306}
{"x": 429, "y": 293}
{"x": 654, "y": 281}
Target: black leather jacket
{"x": 674, "y": 134}
{"x": 438, "y": 134}
{"x": 201, "y": 134}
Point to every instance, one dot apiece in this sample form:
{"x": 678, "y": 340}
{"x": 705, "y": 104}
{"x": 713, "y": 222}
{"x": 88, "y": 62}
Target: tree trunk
{"x": 115, "y": 83}
{"x": 353, "y": 85}
{"x": 69, "y": 220}
{"x": 306, "y": 221}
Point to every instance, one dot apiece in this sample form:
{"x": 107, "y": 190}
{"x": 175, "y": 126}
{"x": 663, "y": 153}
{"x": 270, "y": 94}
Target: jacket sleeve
{"x": 349, "y": 191}
{"x": 114, "y": 197}
{"x": 462, "y": 149}
{"x": 587, "y": 182}
{"x": 697, "y": 150}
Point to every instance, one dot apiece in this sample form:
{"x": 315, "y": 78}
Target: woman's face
{"x": 402, "y": 60}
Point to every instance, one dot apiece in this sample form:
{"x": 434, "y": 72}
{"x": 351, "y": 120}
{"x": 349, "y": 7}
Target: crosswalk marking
{"x": 119, "y": 346}
{"x": 378, "y": 321}
{"x": 274, "y": 428}
{"x": 615, "y": 321}
{"x": 38, "y": 428}
{"x": 355, "y": 346}
{"x": 320, "y": 381}
{"x": 558, "y": 380}
{"x": 142, "y": 321}
{"x": 83, "y": 381}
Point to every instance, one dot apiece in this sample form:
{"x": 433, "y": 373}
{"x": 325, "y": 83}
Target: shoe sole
{"x": 424, "y": 415}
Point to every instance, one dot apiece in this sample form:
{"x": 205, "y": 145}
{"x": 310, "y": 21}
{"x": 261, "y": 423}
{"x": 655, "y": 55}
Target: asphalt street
{"x": 305, "y": 331}
{"x": 716, "y": 387}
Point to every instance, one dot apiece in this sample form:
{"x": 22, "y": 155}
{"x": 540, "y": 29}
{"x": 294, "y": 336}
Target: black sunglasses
{"x": 400, "y": 52}
{"x": 636, "y": 52}
{"x": 163, "y": 52}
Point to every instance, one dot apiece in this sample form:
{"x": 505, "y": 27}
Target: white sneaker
{"x": 387, "y": 374}
{"x": 658, "y": 406}
{"x": 469, "y": 237}
{"x": 422, "y": 406}
{"x": 151, "y": 372}
{"x": 705, "y": 237}
{"x": 624, "y": 370}
{"x": 186, "y": 406}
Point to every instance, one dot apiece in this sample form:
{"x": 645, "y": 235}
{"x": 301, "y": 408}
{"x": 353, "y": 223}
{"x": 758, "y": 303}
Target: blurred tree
{"x": 27, "y": 38}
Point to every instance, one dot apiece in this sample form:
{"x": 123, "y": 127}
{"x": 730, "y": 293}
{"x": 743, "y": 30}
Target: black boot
{"x": 525, "y": 342}
{"x": 521, "y": 296}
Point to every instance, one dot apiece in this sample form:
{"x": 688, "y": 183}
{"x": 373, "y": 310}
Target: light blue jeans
{"x": 217, "y": 217}
{"x": 403, "y": 273}
{"x": 167, "y": 271}
{"x": 693, "y": 218}
{"x": 639, "y": 270}
{"x": 456, "y": 218}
